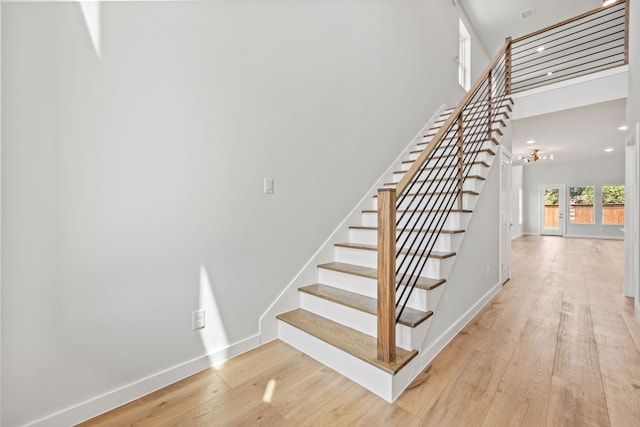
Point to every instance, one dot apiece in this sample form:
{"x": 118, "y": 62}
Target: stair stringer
{"x": 461, "y": 277}
{"x": 288, "y": 299}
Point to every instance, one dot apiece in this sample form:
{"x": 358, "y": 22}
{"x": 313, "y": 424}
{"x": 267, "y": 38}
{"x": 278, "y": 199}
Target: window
{"x": 613, "y": 204}
{"x": 581, "y": 205}
{"x": 464, "y": 56}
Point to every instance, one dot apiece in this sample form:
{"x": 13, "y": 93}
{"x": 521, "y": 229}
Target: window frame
{"x": 464, "y": 56}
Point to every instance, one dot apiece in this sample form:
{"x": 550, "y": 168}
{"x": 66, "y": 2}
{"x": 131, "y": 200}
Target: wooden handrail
{"x": 567, "y": 21}
{"x": 417, "y": 166}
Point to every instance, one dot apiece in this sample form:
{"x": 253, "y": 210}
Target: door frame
{"x": 562, "y": 208}
{"x": 632, "y": 217}
{"x": 505, "y": 215}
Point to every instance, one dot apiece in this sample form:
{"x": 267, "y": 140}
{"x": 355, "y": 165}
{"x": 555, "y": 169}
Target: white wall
{"x": 517, "y": 201}
{"x": 132, "y": 181}
{"x": 633, "y": 101}
{"x": 608, "y": 170}
{"x": 475, "y": 276}
{"x": 0, "y": 212}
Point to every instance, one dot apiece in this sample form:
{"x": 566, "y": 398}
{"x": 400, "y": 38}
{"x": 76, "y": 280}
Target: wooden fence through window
{"x": 612, "y": 213}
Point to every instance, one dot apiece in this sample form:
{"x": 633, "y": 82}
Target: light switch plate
{"x": 268, "y": 186}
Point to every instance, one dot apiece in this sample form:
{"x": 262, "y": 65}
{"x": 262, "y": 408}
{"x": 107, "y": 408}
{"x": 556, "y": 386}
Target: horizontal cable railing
{"x": 430, "y": 190}
{"x": 591, "y": 42}
{"x": 412, "y": 216}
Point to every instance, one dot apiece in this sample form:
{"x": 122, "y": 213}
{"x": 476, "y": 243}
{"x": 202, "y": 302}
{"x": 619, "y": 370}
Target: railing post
{"x": 387, "y": 274}
{"x": 626, "y": 32}
{"x": 460, "y": 160}
{"x": 490, "y": 104}
{"x": 507, "y": 67}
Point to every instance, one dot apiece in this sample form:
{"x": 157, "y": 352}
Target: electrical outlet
{"x": 268, "y": 186}
{"x": 197, "y": 319}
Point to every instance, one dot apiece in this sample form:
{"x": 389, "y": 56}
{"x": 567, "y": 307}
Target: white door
{"x": 505, "y": 216}
{"x": 552, "y": 210}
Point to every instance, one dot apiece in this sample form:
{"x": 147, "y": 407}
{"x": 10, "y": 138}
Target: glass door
{"x": 552, "y": 200}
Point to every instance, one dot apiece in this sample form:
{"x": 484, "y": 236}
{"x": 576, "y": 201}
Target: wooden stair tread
{"x": 425, "y": 283}
{"x": 438, "y": 193}
{"x": 481, "y": 163}
{"x": 478, "y": 177}
{"x": 410, "y": 316}
{"x": 506, "y": 103}
{"x": 505, "y": 114}
{"x": 437, "y": 211}
{"x": 365, "y": 247}
{"x": 353, "y": 342}
{"x": 465, "y": 153}
{"x": 475, "y": 132}
{"x": 492, "y": 139}
{"x": 362, "y": 227}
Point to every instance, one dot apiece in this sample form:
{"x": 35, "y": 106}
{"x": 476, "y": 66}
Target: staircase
{"x": 353, "y": 319}
{"x": 337, "y": 319}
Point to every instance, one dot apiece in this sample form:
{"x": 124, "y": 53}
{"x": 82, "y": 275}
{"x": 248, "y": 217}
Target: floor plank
{"x": 557, "y": 346}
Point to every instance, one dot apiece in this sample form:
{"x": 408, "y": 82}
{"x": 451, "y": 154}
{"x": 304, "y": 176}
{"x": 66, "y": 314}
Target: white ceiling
{"x": 494, "y": 20}
{"x": 575, "y": 134}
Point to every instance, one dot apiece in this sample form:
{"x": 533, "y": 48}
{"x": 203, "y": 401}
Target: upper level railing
{"x": 593, "y": 41}
{"x": 412, "y": 215}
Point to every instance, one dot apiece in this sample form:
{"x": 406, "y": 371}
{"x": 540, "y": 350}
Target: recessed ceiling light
{"x": 549, "y": 73}
{"x": 540, "y": 49}
{"x": 608, "y": 150}
{"x": 608, "y": 2}
{"x": 623, "y": 128}
{"x": 531, "y": 141}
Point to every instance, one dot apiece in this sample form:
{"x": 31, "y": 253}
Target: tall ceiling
{"x": 494, "y": 20}
{"x": 575, "y": 134}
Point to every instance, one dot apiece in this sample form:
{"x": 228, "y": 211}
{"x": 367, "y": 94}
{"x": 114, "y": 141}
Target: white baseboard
{"x": 430, "y": 352}
{"x": 125, "y": 394}
{"x": 582, "y": 236}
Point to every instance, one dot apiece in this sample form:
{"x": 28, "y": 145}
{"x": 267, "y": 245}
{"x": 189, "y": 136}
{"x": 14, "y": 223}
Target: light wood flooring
{"x": 557, "y": 346}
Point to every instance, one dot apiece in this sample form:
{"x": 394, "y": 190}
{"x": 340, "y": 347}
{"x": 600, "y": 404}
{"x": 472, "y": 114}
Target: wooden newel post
{"x": 507, "y": 67}
{"x": 387, "y": 274}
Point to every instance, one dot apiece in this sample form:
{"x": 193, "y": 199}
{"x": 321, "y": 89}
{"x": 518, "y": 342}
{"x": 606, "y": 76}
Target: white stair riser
{"x": 440, "y": 201}
{"x": 445, "y": 149}
{"x": 406, "y": 337}
{"x": 495, "y": 110}
{"x": 470, "y": 184}
{"x": 482, "y": 156}
{"x": 377, "y": 381}
{"x": 434, "y": 267}
{"x": 455, "y": 220}
{"x": 475, "y": 169}
{"x": 445, "y": 242}
{"x": 471, "y": 130}
{"x": 369, "y": 287}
